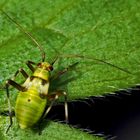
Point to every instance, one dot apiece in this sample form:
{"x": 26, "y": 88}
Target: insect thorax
{"x": 38, "y": 82}
{"x": 42, "y": 73}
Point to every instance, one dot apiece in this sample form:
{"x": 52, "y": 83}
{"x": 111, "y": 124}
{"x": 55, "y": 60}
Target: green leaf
{"x": 106, "y": 30}
{"x": 52, "y": 131}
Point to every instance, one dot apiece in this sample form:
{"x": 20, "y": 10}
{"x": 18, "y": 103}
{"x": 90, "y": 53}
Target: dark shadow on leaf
{"x": 115, "y": 115}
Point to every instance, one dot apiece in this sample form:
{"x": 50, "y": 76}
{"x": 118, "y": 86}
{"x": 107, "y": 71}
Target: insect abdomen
{"x": 29, "y": 108}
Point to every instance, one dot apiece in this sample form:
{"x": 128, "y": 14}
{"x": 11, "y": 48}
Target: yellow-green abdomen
{"x": 29, "y": 108}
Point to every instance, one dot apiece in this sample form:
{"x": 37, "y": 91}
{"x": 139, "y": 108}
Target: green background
{"x": 102, "y": 29}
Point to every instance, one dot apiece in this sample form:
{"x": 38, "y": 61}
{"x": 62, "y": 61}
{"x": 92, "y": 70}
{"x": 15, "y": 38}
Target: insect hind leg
{"x": 53, "y": 97}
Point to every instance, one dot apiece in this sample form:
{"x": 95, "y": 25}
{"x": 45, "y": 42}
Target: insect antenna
{"x": 28, "y": 34}
{"x": 96, "y": 59}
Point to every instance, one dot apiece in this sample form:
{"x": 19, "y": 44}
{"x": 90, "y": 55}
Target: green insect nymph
{"x": 30, "y": 103}
{"x": 34, "y": 95}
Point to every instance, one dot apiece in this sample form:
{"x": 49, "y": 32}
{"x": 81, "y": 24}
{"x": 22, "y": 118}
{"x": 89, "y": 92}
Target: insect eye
{"x": 50, "y": 68}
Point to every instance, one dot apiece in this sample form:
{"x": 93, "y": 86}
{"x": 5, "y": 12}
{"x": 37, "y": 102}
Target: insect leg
{"x": 22, "y": 71}
{"x": 9, "y": 107}
{"x": 63, "y": 71}
{"x": 8, "y": 83}
{"x": 54, "y": 96}
{"x": 14, "y": 84}
{"x": 30, "y": 65}
{"x": 19, "y": 87}
{"x": 66, "y": 107}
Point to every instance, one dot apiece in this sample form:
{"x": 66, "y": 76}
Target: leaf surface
{"x": 104, "y": 30}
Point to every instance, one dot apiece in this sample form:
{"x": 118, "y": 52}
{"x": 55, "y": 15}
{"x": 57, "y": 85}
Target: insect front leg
{"x": 53, "y": 97}
{"x": 13, "y": 83}
{"x": 30, "y": 65}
